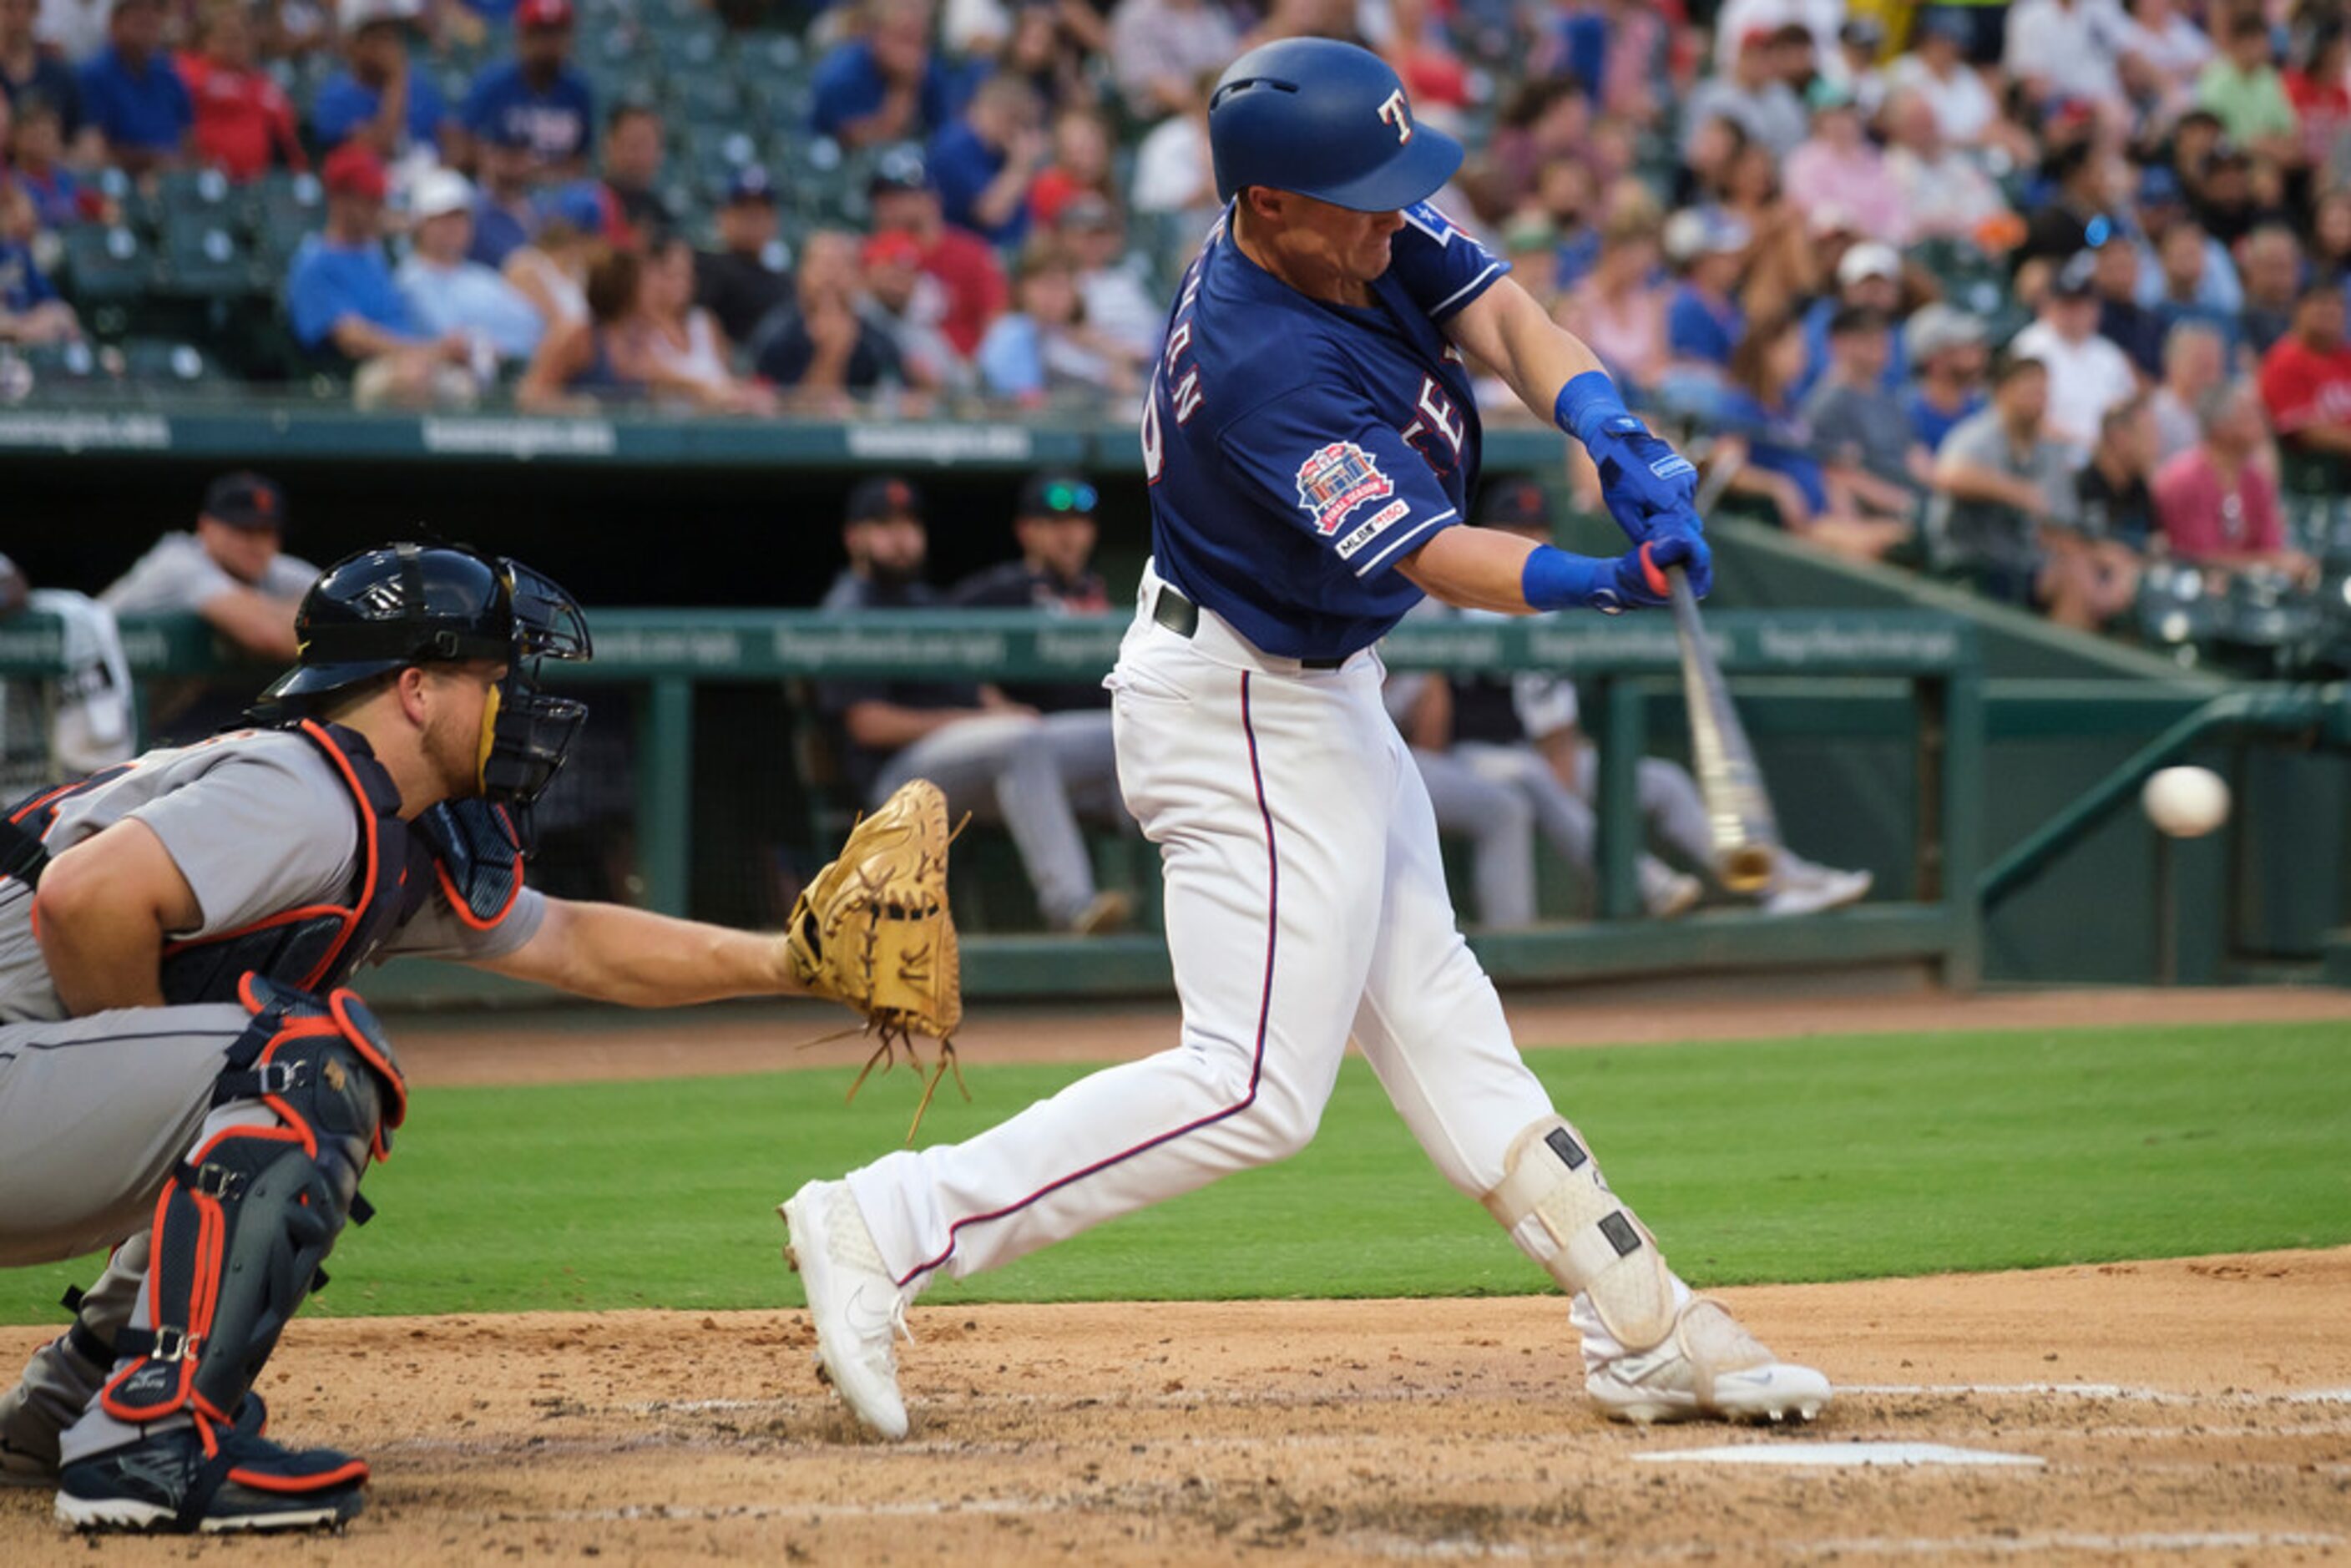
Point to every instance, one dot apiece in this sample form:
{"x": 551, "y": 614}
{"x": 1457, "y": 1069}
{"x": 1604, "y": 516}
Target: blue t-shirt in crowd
{"x": 343, "y": 106}
{"x": 499, "y": 233}
{"x": 329, "y": 282}
{"x": 1698, "y": 328}
{"x": 22, "y": 284}
{"x": 962, "y": 166}
{"x": 558, "y": 124}
{"x": 849, "y": 86}
{"x": 1817, "y": 316}
{"x": 1776, "y": 442}
{"x": 1930, "y": 423}
{"x": 54, "y": 80}
{"x": 147, "y": 107}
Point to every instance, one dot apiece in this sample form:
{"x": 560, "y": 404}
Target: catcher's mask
{"x": 383, "y": 609}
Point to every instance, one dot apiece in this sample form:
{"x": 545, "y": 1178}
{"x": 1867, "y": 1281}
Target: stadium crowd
{"x": 2031, "y": 294}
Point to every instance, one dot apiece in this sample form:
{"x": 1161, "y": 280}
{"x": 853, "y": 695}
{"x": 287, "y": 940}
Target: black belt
{"x": 1181, "y": 616}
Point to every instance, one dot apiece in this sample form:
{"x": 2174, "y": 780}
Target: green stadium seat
{"x": 286, "y": 208}
{"x": 695, "y": 50}
{"x": 204, "y": 193}
{"x": 168, "y": 363}
{"x": 108, "y": 265}
{"x": 705, "y": 97}
{"x": 136, "y": 207}
{"x": 206, "y": 259}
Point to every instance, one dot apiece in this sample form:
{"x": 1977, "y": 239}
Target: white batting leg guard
{"x": 1551, "y": 1191}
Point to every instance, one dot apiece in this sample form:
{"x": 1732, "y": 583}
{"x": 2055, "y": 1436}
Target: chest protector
{"x": 466, "y": 850}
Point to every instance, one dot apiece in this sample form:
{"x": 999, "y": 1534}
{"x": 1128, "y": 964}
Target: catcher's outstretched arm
{"x": 640, "y": 959}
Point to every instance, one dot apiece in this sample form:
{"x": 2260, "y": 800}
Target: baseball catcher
{"x": 185, "y": 1076}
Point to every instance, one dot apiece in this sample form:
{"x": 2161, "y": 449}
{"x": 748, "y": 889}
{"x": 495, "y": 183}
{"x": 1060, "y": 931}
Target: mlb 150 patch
{"x": 1337, "y": 479}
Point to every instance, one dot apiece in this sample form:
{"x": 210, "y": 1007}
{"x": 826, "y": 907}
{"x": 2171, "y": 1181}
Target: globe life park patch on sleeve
{"x": 1334, "y": 481}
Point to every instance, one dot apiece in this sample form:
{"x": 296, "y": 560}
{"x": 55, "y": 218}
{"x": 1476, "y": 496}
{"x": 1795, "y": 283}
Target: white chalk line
{"x": 2117, "y": 1391}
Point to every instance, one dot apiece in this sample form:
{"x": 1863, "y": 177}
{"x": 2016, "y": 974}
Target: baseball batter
{"x": 181, "y": 1077}
{"x": 1311, "y": 443}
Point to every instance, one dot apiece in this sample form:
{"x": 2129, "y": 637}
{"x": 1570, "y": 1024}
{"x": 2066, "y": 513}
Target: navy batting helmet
{"x": 1326, "y": 119}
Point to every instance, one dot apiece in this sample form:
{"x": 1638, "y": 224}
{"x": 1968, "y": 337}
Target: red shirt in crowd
{"x": 968, "y": 269}
{"x": 2304, "y": 386}
{"x": 2205, "y": 518}
{"x": 240, "y": 115}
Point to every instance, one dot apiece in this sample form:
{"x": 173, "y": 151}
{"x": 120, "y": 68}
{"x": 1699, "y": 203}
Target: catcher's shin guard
{"x": 1597, "y": 1248}
{"x": 243, "y": 1223}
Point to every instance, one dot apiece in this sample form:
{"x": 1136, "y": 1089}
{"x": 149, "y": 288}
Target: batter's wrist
{"x": 1554, "y": 580}
{"x": 1587, "y": 402}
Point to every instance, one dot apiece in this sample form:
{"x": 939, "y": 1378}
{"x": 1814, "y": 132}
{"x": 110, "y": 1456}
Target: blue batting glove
{"x": 1644, "y": 482}
{"x": 1639, "y": 575}
{"x": 1699, "y": 562}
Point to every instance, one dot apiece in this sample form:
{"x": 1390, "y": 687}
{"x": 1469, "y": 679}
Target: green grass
{"x": 1794, "y": 1160}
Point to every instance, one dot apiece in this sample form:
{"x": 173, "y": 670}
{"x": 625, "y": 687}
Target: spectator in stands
{"x": 231, "y": 569}
{"x": 907, "y": 304}
{"x": 581, "y": 365}
{"x": 883, "y": 83}
{"x": 132, "y": 97}
{"x": 743, "y": 279}
{"x": 1856, "y": 429}
{"x": 2088, "y": 374}
{"x": 1118, "y": 301}
{"x": 2195, "y": 360}
{"x": 984, "y": 163}
{"x": 551, "y": 271}
{"x": 816, "y": 342}
{"x": 75, "y": 29}
{"x": 27, "y": 71}
{"x": 88, "y": 700}
{"x": 1945, "y": 193}
{"x": 635, "y": 216}
{"x": 2162, "y": 207}
{"x": 1082, "y": 164}
{"x": 2181, "y": 267}
{"x": 2067, "y": 49}
{"x": 1704, "y": 321}
{"x": 1786, "y": 251}
{"x": 1619, "y": 308}
{"x": 2330, "y": 233}
{"x": 1546, "y": 121}
{"x": 2114, "y": 509}
{"x": 1520, "y": 731}
{"x": 2004, "y": 496}
{"x": 505, "y": 208}
{"x": 1869, "y": 278}
{"x": 2272, "y": 273}
{"x": 36, "y": 165}
{"x": 2224, "y": 198}
{"x": 538, "y": 94}
{"x": 30, "y": 309}
{"x": 988, "y": 753}
{"x": 1173, "y": 172}
{"x": 1044, "y": 51}
{"x": 1937, "y": 69}
{"x": 1749, "y": 95}
{"x": 2305, "y": 379}
{"x": 681, "y": 353}
{"x": 2079, "y": 212}
{"x": 2216, "y": 502}
{"x": 1044, "y": 345}
{"x": 2318, "y": 86}
{"x": 1839, "y": 166}
{"x": 2243, "y": 89}
{"x": 2123, "y": 321}
{"x": 1770, "y": 449}
{"x": 905, "y": 200}
{"x": 348, "y": 312}
{"x": 1159, "y": 49}
{"x": 245, "y": 122}
{"x": 447, "y": 293}
{"x": 378, "y": 99}
{"x": 1853, "y": 64}
{"x": 2167, "y": 51}
{"x": 1946, "y": 349}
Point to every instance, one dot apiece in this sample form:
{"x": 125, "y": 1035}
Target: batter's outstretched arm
{"x": 640, "y": 959}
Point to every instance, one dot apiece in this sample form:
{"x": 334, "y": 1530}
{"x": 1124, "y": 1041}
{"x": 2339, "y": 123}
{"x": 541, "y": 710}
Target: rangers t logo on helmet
{"x": 1398, "y": 113}
{"x": 1337, "y": 479}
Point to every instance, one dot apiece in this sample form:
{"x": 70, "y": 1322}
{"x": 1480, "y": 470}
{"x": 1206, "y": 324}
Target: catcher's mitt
{"x": 872, "y": 929}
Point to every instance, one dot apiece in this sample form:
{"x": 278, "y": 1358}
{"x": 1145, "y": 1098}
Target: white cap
{"x": 440, "y": 190}
{"x": 1871, "y": 259}
{"x": 353, "y": 15}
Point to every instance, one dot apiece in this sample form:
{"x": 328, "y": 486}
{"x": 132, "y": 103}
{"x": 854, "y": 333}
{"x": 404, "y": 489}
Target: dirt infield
{"x": 2181, "y": 1411}
{"x": 567, "y": 1044}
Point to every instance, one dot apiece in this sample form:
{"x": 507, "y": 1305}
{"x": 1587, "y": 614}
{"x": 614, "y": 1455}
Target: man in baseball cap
{"x": 744, "y": 279}
{"x": 905, "y": 200}
{"x": 538, "y": 93}
{"x": 353, "y": 102}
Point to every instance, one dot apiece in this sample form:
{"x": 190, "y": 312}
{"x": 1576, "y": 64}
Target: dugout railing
{"x": 1784, "y": 665}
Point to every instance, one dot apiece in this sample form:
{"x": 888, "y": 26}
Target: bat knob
{"x": 1660, "y": 584}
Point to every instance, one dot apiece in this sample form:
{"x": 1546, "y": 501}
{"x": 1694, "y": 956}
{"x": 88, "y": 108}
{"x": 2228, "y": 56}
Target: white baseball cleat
{"x": 858, "y": 1308}
{"x": 1807, "y": 889}
{"x": 1710, "y": 1369}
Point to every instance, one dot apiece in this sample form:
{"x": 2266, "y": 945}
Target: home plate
{"x": 1903, "y": 1455}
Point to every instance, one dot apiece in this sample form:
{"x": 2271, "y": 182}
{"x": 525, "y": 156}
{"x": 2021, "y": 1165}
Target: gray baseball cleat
{"x": 859, "y": 1310}
{"x": 169, "y": 1482}
{"x": 1709, "y": 1369}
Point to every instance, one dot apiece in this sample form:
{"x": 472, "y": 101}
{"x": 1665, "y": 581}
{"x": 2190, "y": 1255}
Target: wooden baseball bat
{"x": 1745, "y": 833}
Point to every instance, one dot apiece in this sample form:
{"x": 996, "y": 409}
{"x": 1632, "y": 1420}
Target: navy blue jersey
{"x": 1297, "y": 450}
